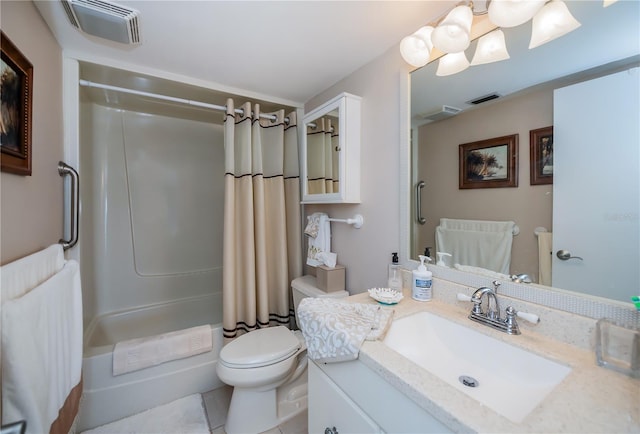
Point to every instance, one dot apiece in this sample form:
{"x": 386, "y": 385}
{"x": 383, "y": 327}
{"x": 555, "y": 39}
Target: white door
{"x": 596, "y": 199}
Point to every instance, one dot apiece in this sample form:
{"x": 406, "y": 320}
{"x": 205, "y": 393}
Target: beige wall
{"x": 366, "y": 252}
{"x": 31, "y": 206}
{"x": 528, "y": 205}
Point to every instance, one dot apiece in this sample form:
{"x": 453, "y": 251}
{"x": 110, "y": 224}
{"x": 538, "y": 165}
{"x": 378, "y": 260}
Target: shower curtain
{"x": 323, "y": 152}
{"x": 262, "y": 229}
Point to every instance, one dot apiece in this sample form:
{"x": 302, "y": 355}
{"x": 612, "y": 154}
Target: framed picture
{"x": 541, "y": 155}
{"x": 491, "y": 163}
{"x": 16, "y": 78}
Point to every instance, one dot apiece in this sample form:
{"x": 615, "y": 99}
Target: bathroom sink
{"x": 507, "y": 379}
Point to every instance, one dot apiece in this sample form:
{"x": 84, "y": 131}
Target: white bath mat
{"x": 185, "y": 415}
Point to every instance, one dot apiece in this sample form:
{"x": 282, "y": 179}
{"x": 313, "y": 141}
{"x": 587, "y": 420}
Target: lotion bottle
{"x": 422, "y": 280}
{"x": 394, "y": 280}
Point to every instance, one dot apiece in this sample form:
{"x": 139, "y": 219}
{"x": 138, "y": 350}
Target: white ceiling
{"x": 287, "y": 50}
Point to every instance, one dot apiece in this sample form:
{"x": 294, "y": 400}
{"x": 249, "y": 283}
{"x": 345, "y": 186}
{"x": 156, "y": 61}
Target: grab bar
{"x": 419, "y": 217}
{"x": 74, "y": 216}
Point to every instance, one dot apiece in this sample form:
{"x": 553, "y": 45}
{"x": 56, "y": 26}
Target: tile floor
{"x": 216, "y": 404}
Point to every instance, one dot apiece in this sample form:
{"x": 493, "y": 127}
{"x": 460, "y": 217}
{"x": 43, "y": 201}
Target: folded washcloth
{"x": 335, "y": 330}
{"x": 313, "y": 225}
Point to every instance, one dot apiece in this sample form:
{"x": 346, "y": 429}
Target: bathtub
{"x": 107, "y": 398}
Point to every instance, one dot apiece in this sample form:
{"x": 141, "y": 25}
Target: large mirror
{"x": 331, "y": 152}
{"x": 606, "y": 42}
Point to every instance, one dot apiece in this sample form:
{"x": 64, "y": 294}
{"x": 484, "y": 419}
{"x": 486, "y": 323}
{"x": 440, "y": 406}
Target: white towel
{"x": 477, "y": 243}
{"x": 481, "y": 271}
{"x": 42, "y": 349}
{"x": 545, "y": 257}
{"x": 144, "y": 352}
{"x": 318, "y": 224}
{"x": 22, "y": 275}
{"x": 335, "y": 330}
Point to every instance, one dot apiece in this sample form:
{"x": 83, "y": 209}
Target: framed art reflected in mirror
{"x": 16, "y": 77}
{"x": 541, "y": 155}
{"x": 490, "y": 163}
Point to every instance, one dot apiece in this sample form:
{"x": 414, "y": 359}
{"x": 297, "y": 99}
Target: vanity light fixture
{"x": 416, "y": 48}
{"x": 512, "y": 13}
{"x": 452, "y": 63}
{"x": 607, "y": 3}
{"x": 453, "y": 35}
{"x": 553, "y": 20}
{"x": 491, "y": 48}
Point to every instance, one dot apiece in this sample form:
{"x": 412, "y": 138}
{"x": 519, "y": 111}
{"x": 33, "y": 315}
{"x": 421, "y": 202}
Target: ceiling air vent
{"x": 104, "y": 19}
{"x": 446, "y": 112}
{"x": 484, "y": 98}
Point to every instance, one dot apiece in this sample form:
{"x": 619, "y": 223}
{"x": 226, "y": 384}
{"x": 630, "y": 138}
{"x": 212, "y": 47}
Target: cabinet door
{"x": 330, "y": 407}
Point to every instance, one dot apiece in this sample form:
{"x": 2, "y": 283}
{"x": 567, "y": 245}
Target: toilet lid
{"x": 260, "y": 348}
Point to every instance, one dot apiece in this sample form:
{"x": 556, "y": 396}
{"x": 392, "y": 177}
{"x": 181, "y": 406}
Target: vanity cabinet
{"x": 330, "y": 152}
{"x": 331, "y": 410}
{"x": 354, "y": 399}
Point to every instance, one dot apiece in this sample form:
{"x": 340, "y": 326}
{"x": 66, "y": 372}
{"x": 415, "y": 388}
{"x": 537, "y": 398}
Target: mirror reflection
{"x": 524, "y": 85}
{"x": 323, "y": 156}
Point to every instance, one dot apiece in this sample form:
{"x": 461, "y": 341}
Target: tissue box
{"x": 330, "y": 279}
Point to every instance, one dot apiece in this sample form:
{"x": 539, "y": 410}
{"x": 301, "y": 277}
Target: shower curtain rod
{"x": 88, "y": 83}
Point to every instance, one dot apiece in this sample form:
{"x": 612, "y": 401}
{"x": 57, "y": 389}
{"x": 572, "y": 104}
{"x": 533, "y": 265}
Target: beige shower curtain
{"x": 262, "y": 230}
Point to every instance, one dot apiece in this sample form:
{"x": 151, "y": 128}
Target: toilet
{"x": 268, "y": 370}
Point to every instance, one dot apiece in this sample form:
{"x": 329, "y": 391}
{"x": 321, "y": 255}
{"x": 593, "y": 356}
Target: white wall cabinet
{"x": 354, "y": 399}
{"x": 330, "y": 152}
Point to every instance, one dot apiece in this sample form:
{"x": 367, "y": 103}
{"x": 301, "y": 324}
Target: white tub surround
{"x": 107, "y": 397}
{"x": 589, "y": 399}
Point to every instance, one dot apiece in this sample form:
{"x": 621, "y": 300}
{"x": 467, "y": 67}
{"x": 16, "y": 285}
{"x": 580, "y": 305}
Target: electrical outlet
{"x": 406, "y": 278}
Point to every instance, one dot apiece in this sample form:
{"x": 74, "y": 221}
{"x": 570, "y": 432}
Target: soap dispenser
{"x": 394, "y": 280}
{"x": 440, "y": 260}
{"x": 422, "y": 280}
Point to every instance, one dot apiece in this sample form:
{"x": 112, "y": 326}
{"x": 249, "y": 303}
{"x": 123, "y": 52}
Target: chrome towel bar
{"x": 74, "y": 214}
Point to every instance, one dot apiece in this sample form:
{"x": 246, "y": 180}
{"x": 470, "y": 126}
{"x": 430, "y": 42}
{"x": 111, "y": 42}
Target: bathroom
{"x": 365, "y": 252}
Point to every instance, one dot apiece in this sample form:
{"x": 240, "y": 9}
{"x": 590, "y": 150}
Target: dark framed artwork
{"x": 541, "y": 155}
{"x": 491, "y": 163}
{"x": 16, "y": 81}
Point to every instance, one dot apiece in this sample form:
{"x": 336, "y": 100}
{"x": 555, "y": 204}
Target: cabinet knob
{"x": 328, "y": 430}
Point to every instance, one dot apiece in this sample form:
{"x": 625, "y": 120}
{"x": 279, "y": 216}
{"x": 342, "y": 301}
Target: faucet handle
{"x": 532, "y": 318}
{"x": 463, "y": 297}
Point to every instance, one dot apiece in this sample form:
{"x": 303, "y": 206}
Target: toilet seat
{"x": 260, "y": 348}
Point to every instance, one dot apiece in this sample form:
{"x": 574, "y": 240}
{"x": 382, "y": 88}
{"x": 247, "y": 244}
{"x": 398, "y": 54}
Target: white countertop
{"x": 591, "y": 399}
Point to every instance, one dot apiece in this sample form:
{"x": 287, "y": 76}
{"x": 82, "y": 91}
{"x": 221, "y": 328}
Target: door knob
{"x": 565, "y": 255}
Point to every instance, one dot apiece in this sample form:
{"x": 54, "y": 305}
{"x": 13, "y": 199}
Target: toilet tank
{"x": 306, "y": 286}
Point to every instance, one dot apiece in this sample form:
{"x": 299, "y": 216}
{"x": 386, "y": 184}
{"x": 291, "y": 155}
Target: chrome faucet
{"x": 492, "y": 317}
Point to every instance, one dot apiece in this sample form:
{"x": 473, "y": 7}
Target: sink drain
{"x": 468, "y": 381}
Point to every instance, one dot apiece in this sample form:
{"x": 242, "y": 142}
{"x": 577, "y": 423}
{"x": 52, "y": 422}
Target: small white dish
{"x": 385, "y": 295}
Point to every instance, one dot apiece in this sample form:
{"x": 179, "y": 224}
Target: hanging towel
{"x": 545, "y": 251}
{"x": 22, "y": 275}
{"x": 477, "y": 243}
{"x": 335, "y": 330}
{"x": 135, "y": 354}
{"x": 320, "y": 226}
{"x": 41, "y": 346}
